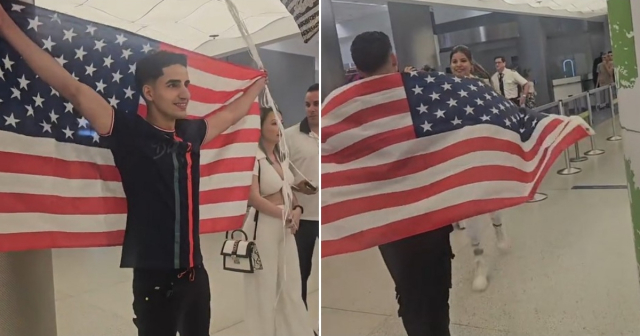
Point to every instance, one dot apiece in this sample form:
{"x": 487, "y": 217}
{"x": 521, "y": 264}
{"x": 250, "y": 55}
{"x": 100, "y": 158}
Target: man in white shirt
{"x": 304, "y": 150}
{"x": 506, "y": 82}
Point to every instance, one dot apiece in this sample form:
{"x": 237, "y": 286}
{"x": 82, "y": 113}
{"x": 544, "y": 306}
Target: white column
{"x": 413, "y": 38}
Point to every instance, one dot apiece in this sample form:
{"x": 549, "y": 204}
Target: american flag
{"x": 58, "y": 183}
{"x": 306, "y": 13}
{"x": 404, "y": 154}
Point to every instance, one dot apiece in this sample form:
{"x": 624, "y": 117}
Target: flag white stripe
{"x": 436, "y": 142}
{"x": 354, "y": 135}
{"x": 36, "y": 222}
{"x": 216, "y": 83}
{"x": 373, "y": 219}
{"x": 55, "y": 186}
{"x": 362, "y": 102}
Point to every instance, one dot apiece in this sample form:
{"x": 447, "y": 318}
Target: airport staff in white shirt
{"x": 303, "y": 142}
{"x": 507, "y": 81}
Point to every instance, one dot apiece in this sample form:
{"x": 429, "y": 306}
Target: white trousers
{"x": 473, "y": 226}
{"x": 273, "y": 301}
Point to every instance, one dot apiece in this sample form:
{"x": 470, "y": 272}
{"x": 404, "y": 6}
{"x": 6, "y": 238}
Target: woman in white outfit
{"x": 463, "y": 66}
{"x": 273, "y": 305}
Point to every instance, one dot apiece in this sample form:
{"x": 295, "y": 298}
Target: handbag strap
{"x": 255, "y": 217}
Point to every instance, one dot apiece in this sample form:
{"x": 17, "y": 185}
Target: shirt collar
{"x": 304, "y": 126}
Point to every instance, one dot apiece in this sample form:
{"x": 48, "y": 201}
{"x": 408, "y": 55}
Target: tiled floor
{"x": 571, "y": 271}
{"x": 93, "y": 296}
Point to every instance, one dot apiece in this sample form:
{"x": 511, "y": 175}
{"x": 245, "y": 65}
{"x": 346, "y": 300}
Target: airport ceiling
{"x": 345, "y": 10}
{"x": 190, "y": 24}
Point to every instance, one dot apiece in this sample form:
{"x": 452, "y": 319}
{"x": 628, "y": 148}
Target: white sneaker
{"x": 480, "y": 281}
{"x": 502, "y": 241}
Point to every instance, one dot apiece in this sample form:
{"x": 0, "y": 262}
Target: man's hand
{"x": 523, "y": 100}
{"x": 410, "y": 69}
{"x": 303, "y": 188}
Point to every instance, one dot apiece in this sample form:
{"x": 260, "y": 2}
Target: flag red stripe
{"x": 77, "y": 170}
{"x": 212, "y": 65}
{"x": 365, "y": 116}
{"x": 418, "y": 163}
{"x": 221, "y": 224}
{"x": 60, "y": 205}
{"x": 17, "y": 163}
{"x": 223, "y": 195}
{"x": 363, "y": 88}
{"x": 370, "y": 145}
{"x": 228, "y": 165}
{"x": 243, "y": 135}
{"x": 436, "y": 219}
{"x": 44, "y": 240}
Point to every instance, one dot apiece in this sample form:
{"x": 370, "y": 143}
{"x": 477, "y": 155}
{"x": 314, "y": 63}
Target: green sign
{"x": 623, "y": 42}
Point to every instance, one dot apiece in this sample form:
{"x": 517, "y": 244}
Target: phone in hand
{"x": 310, "y": 186}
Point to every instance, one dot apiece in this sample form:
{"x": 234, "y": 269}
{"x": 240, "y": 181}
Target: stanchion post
{"x": 592, "y": 138}
{"x": 577, "y": 158}
{"x": 615, "y": 136}
{"x": 568, "y": 170}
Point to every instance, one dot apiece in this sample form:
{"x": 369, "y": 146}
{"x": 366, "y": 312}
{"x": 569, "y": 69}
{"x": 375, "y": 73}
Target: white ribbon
{"x": 282, "y": 145}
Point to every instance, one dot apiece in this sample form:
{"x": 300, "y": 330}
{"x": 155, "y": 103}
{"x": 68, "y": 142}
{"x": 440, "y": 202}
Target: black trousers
{"x": 168, "y": 302}
{"x": 306, "y": 240}
{"x": 421, "y": 270}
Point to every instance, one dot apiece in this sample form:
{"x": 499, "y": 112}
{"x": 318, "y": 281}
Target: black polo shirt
{"x": 160, "y": 173}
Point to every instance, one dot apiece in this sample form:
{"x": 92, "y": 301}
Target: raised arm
{"x": 235, "y": 111}
{"x": 84, "y": 99}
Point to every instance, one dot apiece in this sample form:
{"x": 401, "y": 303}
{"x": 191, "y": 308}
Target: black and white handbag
{"x": 241, "y": 255}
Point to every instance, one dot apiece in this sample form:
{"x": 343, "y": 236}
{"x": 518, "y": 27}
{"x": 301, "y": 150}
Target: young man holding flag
{"x": 159, "y": 163}
{"x": 404, "y": 155}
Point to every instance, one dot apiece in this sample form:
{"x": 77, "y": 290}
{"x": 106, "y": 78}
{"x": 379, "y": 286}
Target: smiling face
{"x": 461, "y": 65}
{"x": 169, "y": 94}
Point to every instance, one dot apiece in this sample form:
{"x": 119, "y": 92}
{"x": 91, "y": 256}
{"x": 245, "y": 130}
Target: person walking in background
{"x": 594, "y": 71}
{"x": 462, "y": 64}
{"x": 605, "y": 70}
{"x": 506, "y": 81}
{"x": 303, "y": 142}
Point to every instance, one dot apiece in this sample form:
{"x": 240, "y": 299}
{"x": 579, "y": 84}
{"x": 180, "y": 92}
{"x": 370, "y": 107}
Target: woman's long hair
{"x": 264, "y": 113}
{"x": 476, "y": 69}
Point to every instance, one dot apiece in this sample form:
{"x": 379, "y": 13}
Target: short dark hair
{"x": 609, "y": 52}
{"x": 502, "y": 58}
{"x": 150, "y": 68}
{"x": 428, "y": 68}
{"x": 370, "y": 51}
{"x": 313, "y": 88}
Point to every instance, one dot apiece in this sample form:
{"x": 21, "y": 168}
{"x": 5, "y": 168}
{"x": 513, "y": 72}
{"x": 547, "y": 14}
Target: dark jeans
{"x": 168, "y": 302}
{"x": 421, "y": 270}
{"x": 306, "y": 240}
